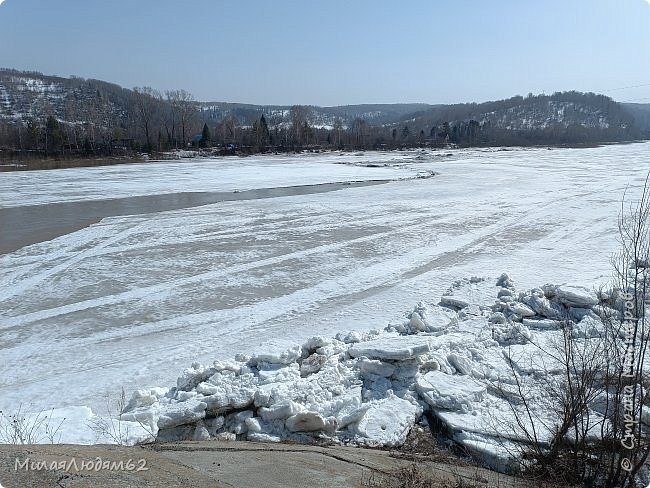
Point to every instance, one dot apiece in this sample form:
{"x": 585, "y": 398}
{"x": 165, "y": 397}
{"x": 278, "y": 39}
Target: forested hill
{"x": 321, "y": 117}
{"x": 29, "y": 97}
{"x": 51, "y": 115}
{"x": 641, "y": 114}
{"x": 564, "y": 117}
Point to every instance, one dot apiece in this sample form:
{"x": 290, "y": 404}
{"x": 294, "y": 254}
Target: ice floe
{"x": 460, "y": 360}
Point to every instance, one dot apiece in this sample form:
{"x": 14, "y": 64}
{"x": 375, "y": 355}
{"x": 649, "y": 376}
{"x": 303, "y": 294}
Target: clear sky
{"x": 338, "y": 52}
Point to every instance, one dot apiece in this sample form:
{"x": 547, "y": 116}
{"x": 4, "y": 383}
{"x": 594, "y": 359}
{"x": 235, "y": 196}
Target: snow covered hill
{"x": 320, "y": 117}
{"x": 561, "y": 117}
{"x": 27, "y": 96}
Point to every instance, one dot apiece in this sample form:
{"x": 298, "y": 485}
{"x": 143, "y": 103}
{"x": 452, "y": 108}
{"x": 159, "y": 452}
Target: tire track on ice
{"x": 25, "y": 284}
{"x": 140, "y": 293}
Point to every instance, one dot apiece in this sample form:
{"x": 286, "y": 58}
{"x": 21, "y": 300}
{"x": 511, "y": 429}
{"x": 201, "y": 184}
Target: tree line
{"x": 77, "y": 117}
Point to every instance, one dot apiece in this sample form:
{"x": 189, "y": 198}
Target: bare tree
{"x": 361, "y": 131}
{"x": 629, "y": 382}
{"x": 598, "y": 389}
{"x": 338, "y": 127}
{"x": 183, "y": 111}
{"x": 146, "y": 104}
{"x": 299, "y": 118}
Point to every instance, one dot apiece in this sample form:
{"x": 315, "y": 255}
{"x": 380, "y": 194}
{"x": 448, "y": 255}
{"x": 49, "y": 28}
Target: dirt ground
{"x": 221, "y": 464}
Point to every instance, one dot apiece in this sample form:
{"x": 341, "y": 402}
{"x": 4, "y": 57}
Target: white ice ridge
{"x": 456, "y": 360}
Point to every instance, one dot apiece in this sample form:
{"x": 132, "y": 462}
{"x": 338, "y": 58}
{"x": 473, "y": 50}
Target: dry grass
{"x": 412, "y": 476}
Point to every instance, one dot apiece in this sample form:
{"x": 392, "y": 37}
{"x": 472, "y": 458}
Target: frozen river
{"x": 130, "y": 300}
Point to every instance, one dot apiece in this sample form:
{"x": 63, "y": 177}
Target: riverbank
{"x": 235, "y": 464}
{"x": 8, "y": 164}
{"x": 32, "y": 163}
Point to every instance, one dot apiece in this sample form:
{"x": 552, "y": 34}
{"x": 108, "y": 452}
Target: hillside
{"x": 48, "y": 115}
{"x": 641, "y": 114}
{"x": 26, "y": 96}
{"x": 561, "y": 117}
{"x": 321, "y": 117}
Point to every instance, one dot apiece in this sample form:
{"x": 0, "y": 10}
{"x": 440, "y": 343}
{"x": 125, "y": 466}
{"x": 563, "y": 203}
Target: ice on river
{"x": 129, "y": 302}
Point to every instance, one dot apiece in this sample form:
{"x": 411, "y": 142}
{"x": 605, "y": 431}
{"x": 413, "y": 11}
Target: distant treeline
{"x": 52, "y": 116}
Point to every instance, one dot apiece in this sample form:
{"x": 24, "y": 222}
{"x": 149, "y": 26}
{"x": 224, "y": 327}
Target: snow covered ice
{"x": 131, "y": 301}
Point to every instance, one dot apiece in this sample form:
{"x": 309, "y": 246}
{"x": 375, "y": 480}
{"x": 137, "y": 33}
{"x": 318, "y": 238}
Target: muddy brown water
{"x": 22, "y": 226}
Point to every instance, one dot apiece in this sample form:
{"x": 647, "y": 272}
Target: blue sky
{"x": 338, "y": 52}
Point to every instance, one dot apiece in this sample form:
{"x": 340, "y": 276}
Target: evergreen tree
{"x": 262, "y": 134}
{"x": 205, "y": 136}
{"x": 53, "y": 135}
{"x": 264, "y": 128}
